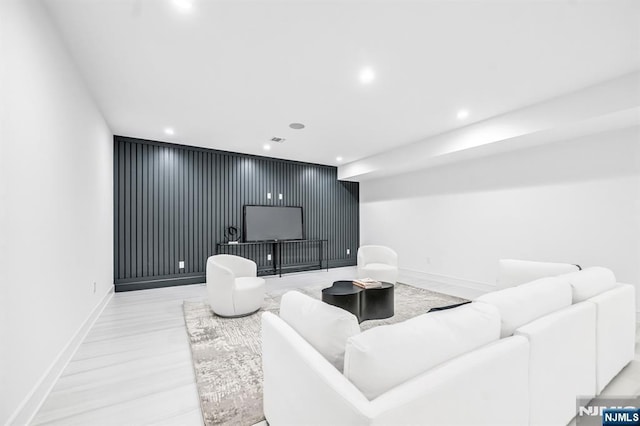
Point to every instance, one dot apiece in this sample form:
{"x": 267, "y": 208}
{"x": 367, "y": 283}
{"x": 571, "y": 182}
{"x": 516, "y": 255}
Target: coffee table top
{"x": 344, "y": 287}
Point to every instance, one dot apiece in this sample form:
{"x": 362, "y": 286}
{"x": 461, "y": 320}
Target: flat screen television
{"x": 270, "y": 223}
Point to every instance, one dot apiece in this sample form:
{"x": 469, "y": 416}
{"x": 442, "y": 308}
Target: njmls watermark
{"x": 608, "y": 411}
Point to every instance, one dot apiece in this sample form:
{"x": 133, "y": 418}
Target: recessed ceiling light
{"x": 462, "y": 114}
{"x": 338, "y": 158}
{"x": 183, "y": 5}
{"x": 169, "y": 131}
{"x": 367, "y": 75}
{"x": 266, "y": 147}
{"x": 296, "y": 126}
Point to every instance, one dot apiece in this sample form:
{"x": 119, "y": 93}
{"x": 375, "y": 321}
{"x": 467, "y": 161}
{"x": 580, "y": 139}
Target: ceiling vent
{"x": 277, "y": 139}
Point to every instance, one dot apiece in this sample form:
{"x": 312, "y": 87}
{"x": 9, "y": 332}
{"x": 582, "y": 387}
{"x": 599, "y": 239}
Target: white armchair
{"x": 233, "y": 287}
{"x": 378, "y": 262}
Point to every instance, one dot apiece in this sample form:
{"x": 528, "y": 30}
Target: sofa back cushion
{"x": 590, "y": 282}
{"x": 324, "y": 326}
{"x": 527, "y": 302}
{"x": 513, "y": 272}
{"x": 381, "y": 358}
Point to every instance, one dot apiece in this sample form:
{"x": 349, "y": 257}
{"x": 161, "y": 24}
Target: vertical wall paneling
{"x": 173, "y": 203}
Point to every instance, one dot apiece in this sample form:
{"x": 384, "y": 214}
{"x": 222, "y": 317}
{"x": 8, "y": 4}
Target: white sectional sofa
{"x": 518, "y": 356}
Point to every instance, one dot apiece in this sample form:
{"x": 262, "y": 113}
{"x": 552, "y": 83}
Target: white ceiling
{"x": 231, "y": 74}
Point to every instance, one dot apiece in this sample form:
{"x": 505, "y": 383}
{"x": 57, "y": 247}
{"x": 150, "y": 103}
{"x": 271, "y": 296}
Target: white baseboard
{"x": 30, "y": 405}
{"x": 447, "y": 279}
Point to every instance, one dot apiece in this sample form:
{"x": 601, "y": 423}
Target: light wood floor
{"x": 135, "y": 367}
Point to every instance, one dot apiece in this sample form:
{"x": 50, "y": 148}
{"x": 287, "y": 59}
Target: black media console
{"x": 296, "y": 260}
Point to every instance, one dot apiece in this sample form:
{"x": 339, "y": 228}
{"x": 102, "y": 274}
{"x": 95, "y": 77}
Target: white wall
{"x": 56, "y": 201}
{"x": 573, "y": 201}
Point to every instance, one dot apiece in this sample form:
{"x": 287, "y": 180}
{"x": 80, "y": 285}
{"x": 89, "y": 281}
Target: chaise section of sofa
{"x": 615, "y": 319}
{"x": 562, "y": 339}
{"x": 581, "y": 331}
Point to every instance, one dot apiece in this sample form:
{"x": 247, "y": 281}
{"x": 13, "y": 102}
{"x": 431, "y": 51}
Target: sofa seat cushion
{"x": 513, "y": 272}
{"x": 381, "y": 358}
{"x": 590, "y": 282}
{"x": 324, "y": 326}
{"x": 527, "y": 302}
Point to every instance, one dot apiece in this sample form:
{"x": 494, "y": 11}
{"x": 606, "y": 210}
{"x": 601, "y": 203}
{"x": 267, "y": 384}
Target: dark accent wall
{"x": 174, "y": 202}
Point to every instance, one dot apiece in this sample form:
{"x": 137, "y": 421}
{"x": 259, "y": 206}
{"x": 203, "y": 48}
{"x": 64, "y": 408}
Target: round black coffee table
{"x": 365, "y": 304}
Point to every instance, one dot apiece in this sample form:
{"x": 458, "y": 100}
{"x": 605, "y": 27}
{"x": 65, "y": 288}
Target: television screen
{"x": 268, "y": 223}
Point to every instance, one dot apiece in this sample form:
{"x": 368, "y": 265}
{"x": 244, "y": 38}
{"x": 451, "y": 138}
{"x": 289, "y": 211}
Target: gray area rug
{"x": 227, "y": 352}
